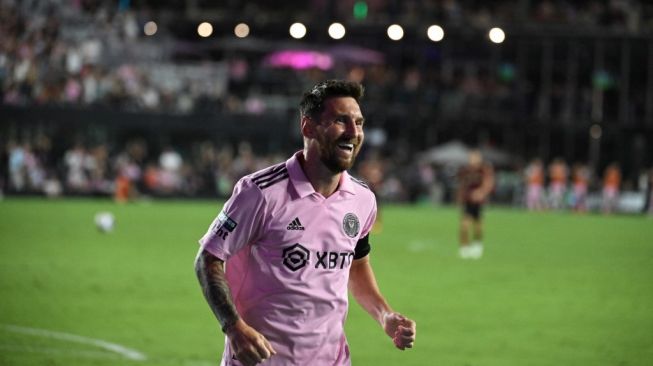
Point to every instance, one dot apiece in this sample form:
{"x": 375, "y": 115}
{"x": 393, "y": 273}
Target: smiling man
{"x": 276, "y": 263}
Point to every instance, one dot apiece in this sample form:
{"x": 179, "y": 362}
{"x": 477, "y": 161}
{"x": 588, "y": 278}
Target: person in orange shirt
{"x": 581, "y": 178}
{"x": 558, "y": 183}
{"x": 123, "y": 189}
{"x": 534, "y": 185}
{"x": 611, "y": 184}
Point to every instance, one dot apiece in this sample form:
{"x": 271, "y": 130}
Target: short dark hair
{"x": 312, "y": 103}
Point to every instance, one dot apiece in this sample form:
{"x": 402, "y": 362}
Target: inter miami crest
{"x": 351, "y": 225}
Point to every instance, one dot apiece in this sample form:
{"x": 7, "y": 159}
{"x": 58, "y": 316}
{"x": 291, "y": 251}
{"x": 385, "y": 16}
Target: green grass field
{"x": 552, "y": 289}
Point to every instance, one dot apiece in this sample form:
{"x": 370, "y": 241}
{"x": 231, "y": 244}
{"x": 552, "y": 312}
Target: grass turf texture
{"x": 552, "y": 288}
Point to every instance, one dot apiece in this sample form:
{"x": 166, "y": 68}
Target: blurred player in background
{"x": 534, "y": 185}
{"x": 558, "y": 173}
{"x": 581, "y": 178}
{"x": 294, "y": 238}
{"x": 475, "y": 182}
{"x": 371, "y": 170}
{"x": 611, "y": 184}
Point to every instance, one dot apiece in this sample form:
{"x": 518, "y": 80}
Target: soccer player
{"x": 276, "y": 263}
{"x": 475, "y": 182}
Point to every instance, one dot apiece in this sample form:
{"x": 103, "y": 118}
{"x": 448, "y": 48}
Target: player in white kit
{"x": 276, "y": 263}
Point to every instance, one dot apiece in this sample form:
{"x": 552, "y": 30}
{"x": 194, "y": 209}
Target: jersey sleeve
{"x": 238, "y": 224}
{"x": 363, "y": 247}
{"x": 369, "y": 223}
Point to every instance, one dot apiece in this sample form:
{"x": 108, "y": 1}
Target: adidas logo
{"x": 295, "y": 225}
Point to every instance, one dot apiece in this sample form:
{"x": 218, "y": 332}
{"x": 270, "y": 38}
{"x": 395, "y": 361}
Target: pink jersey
{"x": 288, "y": 251}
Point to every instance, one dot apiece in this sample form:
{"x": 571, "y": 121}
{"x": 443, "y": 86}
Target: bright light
{"x": 435, "y": 33}
{"x": 337, "y": 30}
{"x": 205, "y": 29}
{"x": 497, "y": 35}
{"x": 241, "y": 30}
{"x": 360, "y": 10}
{"x": 395, "y": 32}
{"x": 150, "y": 28}
{"x": 297, "y": 30}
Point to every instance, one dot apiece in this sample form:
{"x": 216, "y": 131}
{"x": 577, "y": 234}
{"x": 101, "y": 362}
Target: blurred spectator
{"x": 371, "y": 170}
{"x": 17, "y": 167}
{"x": 581, "y": 179}
{"x": 77, "y": 164}
{"x": 170, "y": 175}
{"x": 534, "y": 175}
{"x": 557, "y": 183}
{"x": 245, "y": 162}
{"x": 128, "y": 165}
{"x": 611, "y": 185}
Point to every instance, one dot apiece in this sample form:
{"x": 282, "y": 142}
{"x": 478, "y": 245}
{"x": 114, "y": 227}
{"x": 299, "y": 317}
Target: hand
{"x": 249, "y": 346}
{"x": 401, "y": 329}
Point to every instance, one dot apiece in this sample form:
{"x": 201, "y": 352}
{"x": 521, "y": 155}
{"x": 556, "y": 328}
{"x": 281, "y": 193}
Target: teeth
{"x": 347, "y": 146}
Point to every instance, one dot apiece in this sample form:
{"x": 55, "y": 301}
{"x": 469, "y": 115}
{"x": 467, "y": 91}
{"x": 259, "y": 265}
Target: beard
{"x": 329, "y": 155}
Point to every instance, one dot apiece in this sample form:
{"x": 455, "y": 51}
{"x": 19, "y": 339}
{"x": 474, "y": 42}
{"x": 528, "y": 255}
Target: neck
{"x": 323, "y": 180}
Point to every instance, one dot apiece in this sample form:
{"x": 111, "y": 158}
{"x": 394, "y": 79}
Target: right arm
{"x": 210, "y": 273}
{"x": 250, "y": 346}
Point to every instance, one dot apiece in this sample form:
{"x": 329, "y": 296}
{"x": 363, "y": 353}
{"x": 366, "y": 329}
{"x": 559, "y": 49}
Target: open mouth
{"x": 346, "y": 146}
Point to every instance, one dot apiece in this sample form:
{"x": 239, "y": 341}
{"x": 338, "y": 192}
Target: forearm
{"x": 488, "y": 182}
{"x": 363, "y": 286}
{"x": 211, "y": 275}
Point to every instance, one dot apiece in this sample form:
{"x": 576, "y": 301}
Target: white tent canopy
{"x": 457, "y": 153}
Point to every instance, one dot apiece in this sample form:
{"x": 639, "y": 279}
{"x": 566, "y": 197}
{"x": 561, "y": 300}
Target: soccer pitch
{"x": 552, "y": 289}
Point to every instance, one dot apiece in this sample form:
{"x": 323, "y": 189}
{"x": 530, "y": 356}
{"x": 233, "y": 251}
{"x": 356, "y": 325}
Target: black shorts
{"x": 473, "y": 210}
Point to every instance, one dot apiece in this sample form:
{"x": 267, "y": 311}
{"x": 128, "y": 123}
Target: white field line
{"x": 128, "y": 353}
{"x": 57, "y": 351}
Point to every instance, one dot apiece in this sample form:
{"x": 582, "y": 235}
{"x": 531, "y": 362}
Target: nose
{"x": 351, "y": 129}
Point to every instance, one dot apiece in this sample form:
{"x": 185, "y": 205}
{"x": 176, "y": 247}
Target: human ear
{"x": 307, "y": 127}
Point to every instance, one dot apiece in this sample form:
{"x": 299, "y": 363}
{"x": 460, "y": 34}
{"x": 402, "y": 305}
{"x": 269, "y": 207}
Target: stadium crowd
{"x": 208, "y": 170}
{"x": 92, "y": 53}
{"x": 89, "y": 53}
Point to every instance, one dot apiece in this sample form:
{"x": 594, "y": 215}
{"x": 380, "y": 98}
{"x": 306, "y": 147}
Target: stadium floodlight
{"x": 241, "y": 30}
{"x": 150, "y": 28}
{"x": 337, "y": 31}
{"x": 497, "y": 35}
{"x": 395, "y": 32}
{"x": 297, "y": 30}
{"x": 205, "y": 29}
{"x": 435, "y": 33}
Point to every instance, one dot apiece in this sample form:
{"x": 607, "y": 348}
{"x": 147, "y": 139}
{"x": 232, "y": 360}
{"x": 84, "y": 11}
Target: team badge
{"x": 223, "y": 226}
{"x": 351, "y": 225}
{"x": 224, "y": 222}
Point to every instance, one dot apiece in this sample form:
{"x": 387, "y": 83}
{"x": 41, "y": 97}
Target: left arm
{"x": 481, "y": 193}
{"x": 488, "y": 181}
{"x": 365, "y": 290}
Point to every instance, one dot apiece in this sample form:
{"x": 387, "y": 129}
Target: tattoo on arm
{"x": 210, "y": 273}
